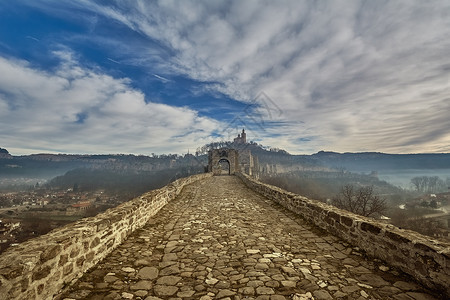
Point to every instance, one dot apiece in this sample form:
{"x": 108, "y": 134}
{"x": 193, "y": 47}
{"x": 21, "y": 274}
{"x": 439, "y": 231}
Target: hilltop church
{"x": 241, "y": 138}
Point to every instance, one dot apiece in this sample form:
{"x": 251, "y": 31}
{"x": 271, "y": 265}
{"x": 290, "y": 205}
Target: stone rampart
{"x": 424, "y": 258}
{"x": 41, "y": 267}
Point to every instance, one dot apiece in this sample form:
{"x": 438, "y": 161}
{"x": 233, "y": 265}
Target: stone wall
{"x": 424, "y": 258}
{"x": 41, "y": 267}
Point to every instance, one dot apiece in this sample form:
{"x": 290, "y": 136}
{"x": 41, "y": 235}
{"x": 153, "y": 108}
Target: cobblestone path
{"x": 220, "y": 240}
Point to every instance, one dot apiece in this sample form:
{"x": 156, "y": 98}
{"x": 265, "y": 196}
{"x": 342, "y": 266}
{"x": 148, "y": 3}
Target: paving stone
{"x": 141, "y": 293}
{"x": 305, "y": 296}
{"x": 372, "y": 280}
{"x": 236, "y": 277}
{"x": 289, "y": 270}
{"x": 402, "y": 296}
{"x": 224, "y": 293}
{"x": 163, "y": 290}
{"x": 167, "y": 263}
{"x": 110, "y": 278}
{"x": 253, "y": 251}
{"x": 262, "y": 290}
{"x": 170, "y": 270}
{"x": 273, "y": 284}
{"x": 185, "y": 294}
{"x": 388, "y": 290}
{"x": 247, "y": 290}
{"x": 261, "y": 266}
{"x": 170, "y": 257}
{"x": 255, "y": 283}
{"x": 420, "y": 296}
{"x": 350, "y": 289}
{"x": 322, "y": 295}
{"x": 211, "y": 281}
{"x": 148, "y": 273}
{"x": 126, "y": 295}
{"x": 406, "y": 286}
{"x": 171, "y": 244}
{"x": 141, "y": 262}
{"x": 254, "y": 274}
{"x": 142, "y": 285}
{"x": 278, "y": 277}
{"x": 168, "y": 280}
{"x": 287, "y": 283}
{"x": 364, "y": 294}
{"x": 220, "y": 240}
{"x": 101, "y": 285}
{"x": 339, "y": 294}
{"x": 113, "y": 296}
{"x": 222, "y": 285}
{"x": 128, "y": 270}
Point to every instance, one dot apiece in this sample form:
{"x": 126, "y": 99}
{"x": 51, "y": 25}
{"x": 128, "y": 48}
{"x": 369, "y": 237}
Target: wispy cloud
{"x": 163, "y": 79}
{"x": 89, "y": 112}
{"x": 112, "y": 60}
{"x": 32, "y": 38}
{"x": 361, "y": 75}
{"x": 346, "y": 75}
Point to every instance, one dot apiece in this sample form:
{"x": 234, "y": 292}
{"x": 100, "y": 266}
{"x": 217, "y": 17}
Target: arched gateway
{"x": 223, "y": 161}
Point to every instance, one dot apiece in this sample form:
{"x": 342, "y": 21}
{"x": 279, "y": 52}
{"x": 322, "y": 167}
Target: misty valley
{"x": 44, "y": 191}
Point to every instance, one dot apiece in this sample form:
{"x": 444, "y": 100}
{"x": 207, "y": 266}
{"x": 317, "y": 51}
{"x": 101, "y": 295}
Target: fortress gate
{"x": 218, "y": 157}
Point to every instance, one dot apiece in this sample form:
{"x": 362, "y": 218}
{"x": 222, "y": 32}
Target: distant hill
{"x": 382, "y": 161}
{"x": 357, "y": 162}
{"x": 29, "y": 169}
{"x": 43, "y": 167}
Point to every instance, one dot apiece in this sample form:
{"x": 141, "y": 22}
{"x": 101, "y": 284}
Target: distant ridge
{"x": 57, "y": 164}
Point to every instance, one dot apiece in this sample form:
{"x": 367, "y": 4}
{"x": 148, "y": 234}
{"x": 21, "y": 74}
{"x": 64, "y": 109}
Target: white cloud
{"x": 88, "y": 112}
{"x": 362, "y": 76}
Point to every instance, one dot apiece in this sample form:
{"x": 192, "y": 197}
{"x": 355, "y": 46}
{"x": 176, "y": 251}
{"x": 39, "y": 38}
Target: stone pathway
{"x": 220, "y": 240}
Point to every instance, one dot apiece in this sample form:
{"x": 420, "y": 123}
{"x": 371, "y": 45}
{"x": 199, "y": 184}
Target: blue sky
{"x": 147, "y": 77}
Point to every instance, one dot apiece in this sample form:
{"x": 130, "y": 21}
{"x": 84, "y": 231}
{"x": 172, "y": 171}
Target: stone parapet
{"x": 41, "y": 267}
{"x": 424, "y": 258}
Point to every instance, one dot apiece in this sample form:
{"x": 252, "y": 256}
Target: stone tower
{"x": 241, "y": 138}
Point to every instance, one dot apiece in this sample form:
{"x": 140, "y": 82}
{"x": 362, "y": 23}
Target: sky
{"x": 144, "y": 77}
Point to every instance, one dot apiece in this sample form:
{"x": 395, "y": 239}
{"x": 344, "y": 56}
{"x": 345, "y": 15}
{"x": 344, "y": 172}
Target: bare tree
{"x": 420, "y": 183}
{"x": 426, "y": 184}
{"x": 362, "y": 201}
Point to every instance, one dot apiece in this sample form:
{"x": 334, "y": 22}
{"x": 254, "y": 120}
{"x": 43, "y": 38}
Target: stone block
{"x": 68, "y": 268}
{"x": 63, "y": 259}
{"x": 90, "y": 256}
{"x": 102, "y": 224}
{"x": 11, "y": 272}
{"x": 75, "y": 251}
{"x": 368, "y": 227}
{"x": 422, "y": 247}
{"x": 80, "y": 261}
{"x": 396, "y": 237}
{"x": 41, "y": 272}
{"x": 50, "y": 252}
{"x": 95, "y": 242}
{"x": 346, "y": 221}
{"x": 334, "y": 216}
